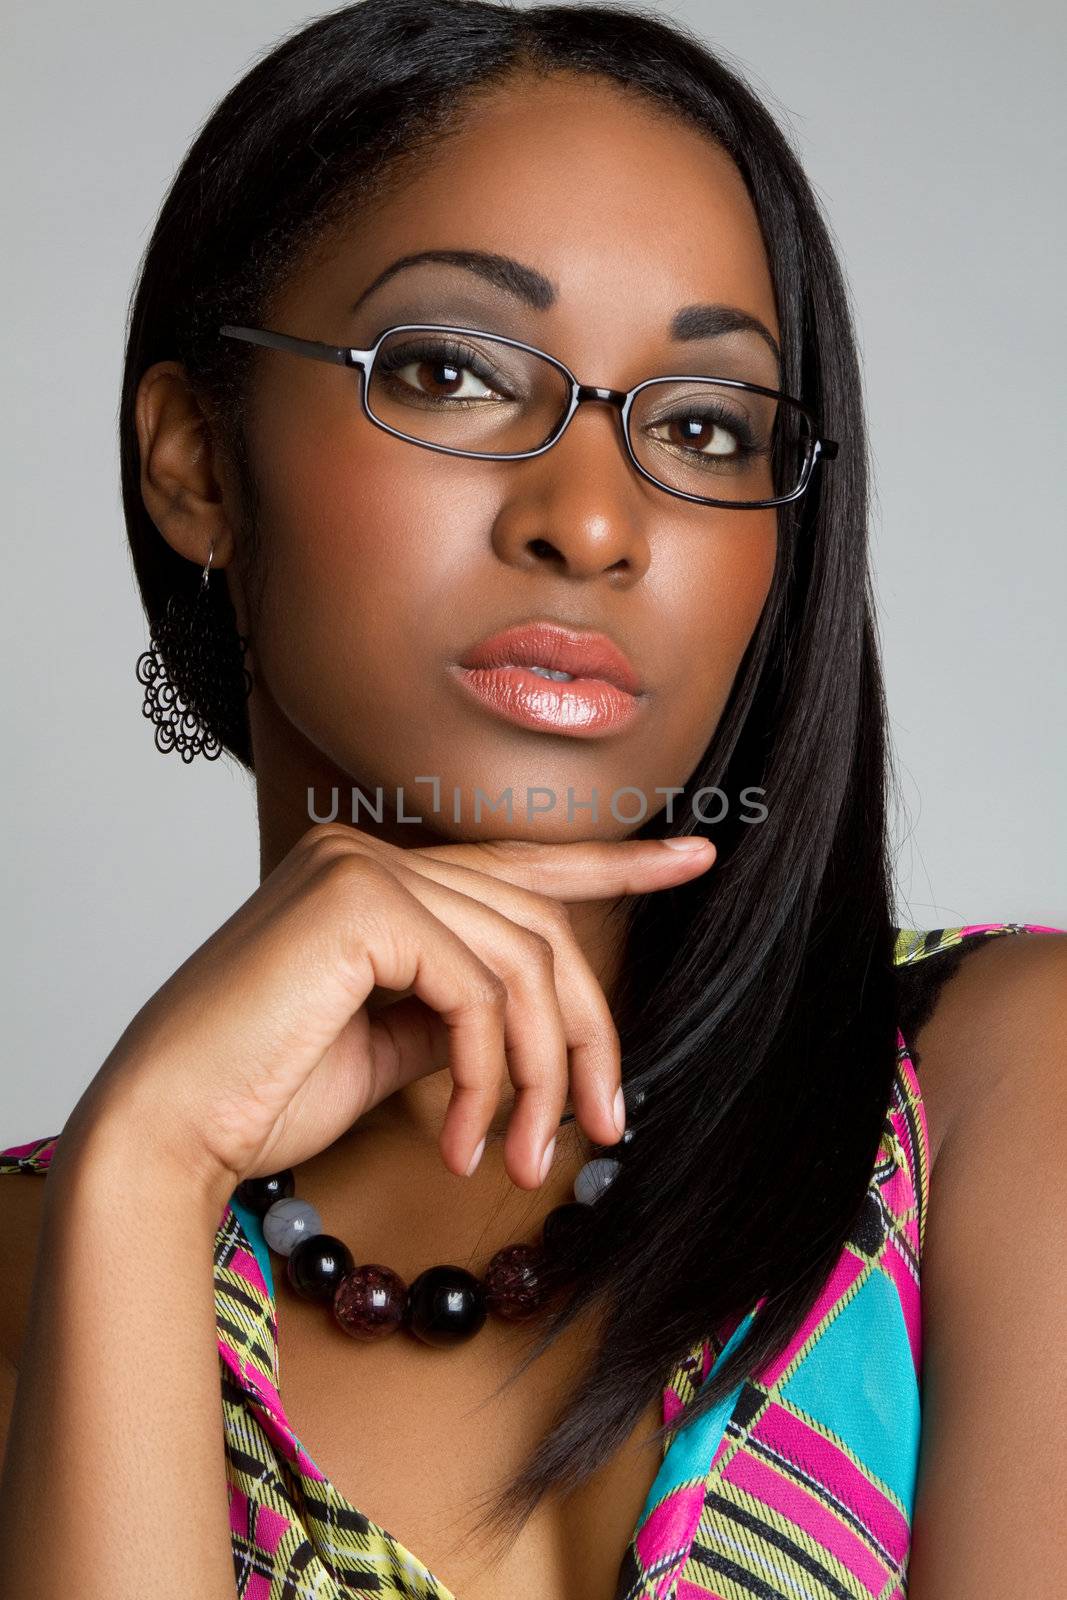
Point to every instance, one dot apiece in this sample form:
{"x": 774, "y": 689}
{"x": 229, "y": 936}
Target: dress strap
{"x": 35, "y": 1156}
{"x": 915, "y": 944}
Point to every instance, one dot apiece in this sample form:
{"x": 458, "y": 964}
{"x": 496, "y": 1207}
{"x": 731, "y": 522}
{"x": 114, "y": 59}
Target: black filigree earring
{"x": 194, "y": 675}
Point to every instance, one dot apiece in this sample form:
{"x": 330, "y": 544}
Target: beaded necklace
{"x": 445, "y": 1305}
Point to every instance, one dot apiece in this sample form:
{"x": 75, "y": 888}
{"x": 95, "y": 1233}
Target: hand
{"x": 358, "y": 966}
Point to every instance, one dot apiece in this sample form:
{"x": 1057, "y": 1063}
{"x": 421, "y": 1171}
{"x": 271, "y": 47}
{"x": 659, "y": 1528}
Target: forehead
{"x": 631, "y": 213}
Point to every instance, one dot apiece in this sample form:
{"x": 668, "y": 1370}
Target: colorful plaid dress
{"x": 797, "y": 1486}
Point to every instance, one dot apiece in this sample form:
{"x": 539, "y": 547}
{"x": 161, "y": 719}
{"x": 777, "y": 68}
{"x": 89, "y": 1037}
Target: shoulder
{"x": 23, "y": 1171}
{"x": 997, "y": 1025}
{"x": 992, "y": 1062}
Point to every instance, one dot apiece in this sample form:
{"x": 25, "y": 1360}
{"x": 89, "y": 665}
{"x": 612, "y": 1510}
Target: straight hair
{"x": 756, "y": 1006}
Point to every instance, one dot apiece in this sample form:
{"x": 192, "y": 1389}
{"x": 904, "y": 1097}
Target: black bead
{"x": 636, "y": 1100}
{"x": 445, "y": 1305}
{"x": 621, "y": 1148}
{"x": 259, "y": 1194}
{"x": 567, "y": 1227}
{"x": 316, "y": 1266}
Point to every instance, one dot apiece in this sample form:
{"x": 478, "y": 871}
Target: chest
{"x": 420, "y": 1440}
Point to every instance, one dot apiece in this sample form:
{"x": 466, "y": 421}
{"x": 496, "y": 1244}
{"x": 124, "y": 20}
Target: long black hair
{"x": 756, "y": 1005}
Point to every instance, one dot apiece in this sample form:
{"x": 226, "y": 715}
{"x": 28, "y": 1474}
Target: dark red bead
{"x": 317, "y": 1264}
{"x": 369, "y": 1301}
{"x": 445, "y": 1305}
{"x": 514, "y": 1282}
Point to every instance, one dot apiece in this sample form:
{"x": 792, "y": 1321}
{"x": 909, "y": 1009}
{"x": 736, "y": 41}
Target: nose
{"x": 580, "y": 507}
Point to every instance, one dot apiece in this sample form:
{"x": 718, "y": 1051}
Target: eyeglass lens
{"x": 476, "y": 393}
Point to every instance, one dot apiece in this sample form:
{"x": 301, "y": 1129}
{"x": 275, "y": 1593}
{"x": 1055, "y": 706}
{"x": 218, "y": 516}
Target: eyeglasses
{"x": 718, "y": 441}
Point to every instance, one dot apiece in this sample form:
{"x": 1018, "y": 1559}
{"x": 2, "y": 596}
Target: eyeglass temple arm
{"x": 336, "y": 355}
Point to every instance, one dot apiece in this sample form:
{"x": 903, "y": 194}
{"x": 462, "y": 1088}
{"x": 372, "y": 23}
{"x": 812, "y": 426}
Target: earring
{"x": 194, "y": 675}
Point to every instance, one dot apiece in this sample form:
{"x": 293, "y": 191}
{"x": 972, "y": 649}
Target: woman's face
{"x": 386, "y": 563}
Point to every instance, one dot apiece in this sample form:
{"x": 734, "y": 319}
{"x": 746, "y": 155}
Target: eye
{"x": 435, "y": 371}
{"x": 705, "y": 433}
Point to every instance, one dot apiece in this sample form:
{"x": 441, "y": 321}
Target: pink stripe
{"x": 270, "y": 1529}
{"x": 239, "y": 1528}
{"x": 18, "y": 1151}
{"x": 671, "y": 1526}
{"x": 1031, "y": 927}
{"x": 779, "y": 1494}
{"x": 244, "y": 1263}
{"x": 846, "y": 1270}
{"x": 831, "y": 1468}
{"x": 238, "y": 1510}
{"x": 908, "y": 1291}
{"x": 907, "y": 1065}
{"x": 898, "y": 1192}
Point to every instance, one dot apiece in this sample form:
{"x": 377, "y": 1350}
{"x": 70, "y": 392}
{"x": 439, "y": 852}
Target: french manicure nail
{"x": 546, "y": 1159}
{"x": 475, "y": 1158}
{"x": 618, "y": 1111}
{"x": 691, "y": 841}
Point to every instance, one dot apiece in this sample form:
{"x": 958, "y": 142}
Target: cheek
{"x": 725, "y": 589}
{"x": 743, "y": 577}
{"x": 354, "y": 566}
{"x": 719, "y": 602}
{"x": 346, "y": 553}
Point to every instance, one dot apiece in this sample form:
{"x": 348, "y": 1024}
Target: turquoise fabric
{"x": 253, "y": 1227}
{"x": 876, "y": 1412}
{"x": 693, "y": 1446}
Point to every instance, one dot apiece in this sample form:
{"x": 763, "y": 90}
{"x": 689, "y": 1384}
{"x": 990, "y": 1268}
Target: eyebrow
{"x": 527, "y": 284}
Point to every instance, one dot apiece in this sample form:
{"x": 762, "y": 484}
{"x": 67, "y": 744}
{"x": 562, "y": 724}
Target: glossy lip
{"x": 602, "y": 698}
{"x": 549, "y": 644}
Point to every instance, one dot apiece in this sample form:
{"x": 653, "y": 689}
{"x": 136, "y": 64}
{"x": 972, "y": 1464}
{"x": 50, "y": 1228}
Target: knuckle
{"x": 537, "y": 949}
{"x": 490, "y": 990}
{"x": 524, "y": 853}
{"x": 554, "y": 918}
{"x": 324, "y": 840}
{"x": 344, "y": 872}
{"x": 321, "y": 831}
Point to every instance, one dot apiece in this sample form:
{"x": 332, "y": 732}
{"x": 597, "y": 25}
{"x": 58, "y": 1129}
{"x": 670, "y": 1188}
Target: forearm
{"x": 113, "y": 1482}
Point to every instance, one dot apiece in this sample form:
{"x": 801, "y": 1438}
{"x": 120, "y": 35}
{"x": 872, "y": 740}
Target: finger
{"x": 536, "y": 1035}
{"x": 583, "y": 870}
{"x": 399, "y": 944}
{"x": 590, "y": 1036}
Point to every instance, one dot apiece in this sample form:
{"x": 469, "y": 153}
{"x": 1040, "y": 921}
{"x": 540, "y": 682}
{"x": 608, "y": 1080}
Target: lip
{"x": 549, "y": 644}
{"x": 603, "y": 696}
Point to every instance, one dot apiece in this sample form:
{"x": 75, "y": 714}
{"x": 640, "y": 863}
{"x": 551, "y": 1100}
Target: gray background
{"x": 934, "y": 138}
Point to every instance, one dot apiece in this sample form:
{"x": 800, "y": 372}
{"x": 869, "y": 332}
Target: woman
{"x": 560, "y": 1137}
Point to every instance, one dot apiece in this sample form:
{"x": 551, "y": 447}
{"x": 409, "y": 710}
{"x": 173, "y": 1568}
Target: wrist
{"x": 124, "y": 1150}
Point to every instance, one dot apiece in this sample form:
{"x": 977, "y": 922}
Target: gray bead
{"x": 287, "y": 1222}
{"x": 591, "y": 1181}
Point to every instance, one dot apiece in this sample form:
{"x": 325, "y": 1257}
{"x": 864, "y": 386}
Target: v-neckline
{"x": 665, "y": 1530}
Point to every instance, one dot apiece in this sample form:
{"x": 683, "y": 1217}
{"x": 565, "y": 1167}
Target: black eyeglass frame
{"x": 350, "y": 356}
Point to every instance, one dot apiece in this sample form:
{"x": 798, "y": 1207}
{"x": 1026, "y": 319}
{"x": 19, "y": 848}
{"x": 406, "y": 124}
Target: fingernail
{"x": 690, "y": 842}
{"x": 475, "y": 1158}
{"x": 618, "y": 1111}
{"x": 546, "y": 1159}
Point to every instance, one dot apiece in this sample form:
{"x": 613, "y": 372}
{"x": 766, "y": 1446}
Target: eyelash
{"x": 439, "y": 350}
{"x": 462, "y": 357}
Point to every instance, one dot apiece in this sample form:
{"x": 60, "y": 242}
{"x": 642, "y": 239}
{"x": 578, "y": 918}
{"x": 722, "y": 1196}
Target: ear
{"x": 181, "y": 481}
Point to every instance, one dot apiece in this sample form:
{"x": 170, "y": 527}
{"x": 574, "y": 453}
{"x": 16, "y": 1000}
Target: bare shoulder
{"x": 992, "y": 1061}
{"x": 22, "y": 1204}
{"x": 1000, "y": 1019}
